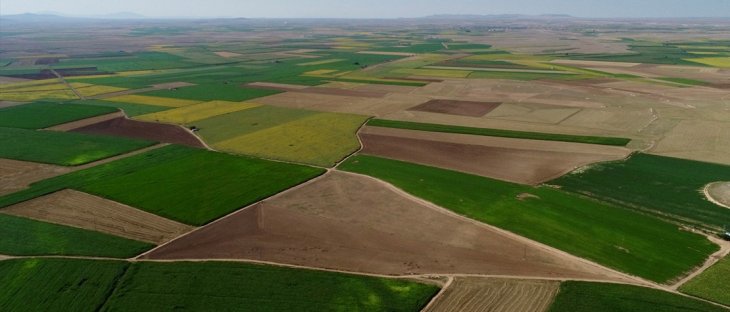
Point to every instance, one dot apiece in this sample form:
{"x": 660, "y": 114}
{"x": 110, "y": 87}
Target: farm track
{"x": 68, "y": 85}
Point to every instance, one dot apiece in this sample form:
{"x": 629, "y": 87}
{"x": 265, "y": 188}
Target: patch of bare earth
{"x": 16, "y": 175}
{"x": 354, "y": 223}
{"x": 77, "y": 209}
{"x": 470, "y": 294}
{"x": 719, "y": 193}
{"x": 143, "y": 130}
{"x": 86, "y": 122}
{"x": 4, "y": 104}
{"x": 516, "y": 160}
{"x": 454, "y": 107}
{"x": 227, "y": 54}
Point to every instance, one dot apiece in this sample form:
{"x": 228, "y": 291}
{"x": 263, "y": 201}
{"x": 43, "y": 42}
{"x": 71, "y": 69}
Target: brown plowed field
{"x": 349, "y": 222}
{"x": 143, "y": 130}
{"x": 453, "y": 107}
{"x": 77, "y": 209}
{"x": 16, "y": 175}
{"x": 522, "y": 161}
{"x": 317, "y": 90}
{"x": 469, "y": 294}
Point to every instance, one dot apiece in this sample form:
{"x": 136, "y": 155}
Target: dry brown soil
{"x": 354, "y": 223}
{"x": 719, "y": 193}
{"x": 16, "y": 175}
{"x": 86, "y": 122}
{"x": 470, "y": 294}
{"x": 143, "y": 130}
{"x": 516, "y": 160}
{"x": 77, "y": 209}
{"x": 454, "y": 107}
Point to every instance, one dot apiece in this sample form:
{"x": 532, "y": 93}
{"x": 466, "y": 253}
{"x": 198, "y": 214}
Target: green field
{"x": 43, "y": 115}
{"x": 595, "y": 297}
{"x": 57, "y": 284}
{"x": 63, "y": 148}
{"x": 498, "y": 132}
{"x": 210, "y": 92}
{"x": 129, "y": 109}
{"x": 616, "y": 237}
{"x": 664, "y": 186}
{"x": 26, "y": 237}
{"x": 711, "y": 284}
{"x": 137, "y": 61}
{"x": 286, "y": 134}
{"x": 220, "y": 286}
{"x": 189, "y": 185}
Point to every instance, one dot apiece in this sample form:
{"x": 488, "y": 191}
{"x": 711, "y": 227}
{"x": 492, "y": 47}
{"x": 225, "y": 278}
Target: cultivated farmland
{"x": 43, "y": 115}
{"x": 711, "y": 284}
{"x": 483, "y": 294}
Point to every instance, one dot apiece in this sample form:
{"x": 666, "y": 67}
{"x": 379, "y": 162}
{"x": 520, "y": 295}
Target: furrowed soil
{"x": 516, "y": 160}
{"x": 77, "y": 209}
{"x": 469, "y": 294}
{"x": 454, "y": 107}
{"x": 16, "y": 175}
{"x": 349, "y": 222}
{"x": 124, "y": 127}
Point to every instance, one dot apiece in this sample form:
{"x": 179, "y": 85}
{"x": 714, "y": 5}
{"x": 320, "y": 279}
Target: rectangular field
{"x": 188, "y": 185}
{"x": 498, "y": 132}
{"x": 667, "y": 187}
{"x": 596, "y": 297}
{"x": 616, "y": 237}
{"x": 43, "y": 115}
{"x": 57, "y": 284}
{"x": 470, "y": 294}
{"x": 152, "y": 100}
{"x": 225, "y": 286}
{"x": 711, "y": 284}
{"x": 26, "y": 237}
{"x": 188, "y": 114}
{"x": 63, "y": 148}
{"x": 129, "y": 109}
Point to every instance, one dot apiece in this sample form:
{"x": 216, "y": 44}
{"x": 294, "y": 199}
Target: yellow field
{"x": 446, "y": 73}
{"x": 152, "y": 100}
{"x": 712, "y": 61}
{"x": 91, "y": 90}
{"x": 192, "y": 113}
{"x": 28, "y": 84}
{"x": 36, "y": 90}
{"x": 322, "y": 139}
{"x": 321, "y": 62}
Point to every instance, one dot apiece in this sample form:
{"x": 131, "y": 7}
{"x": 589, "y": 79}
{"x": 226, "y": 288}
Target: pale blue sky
{"x": 373, "y": 8}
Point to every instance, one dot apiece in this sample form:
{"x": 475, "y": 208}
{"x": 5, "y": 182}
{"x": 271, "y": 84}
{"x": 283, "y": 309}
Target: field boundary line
{"x": 714, "y": 258}
{"x": 438, "y": 295}
{"x": 68, "y": 85}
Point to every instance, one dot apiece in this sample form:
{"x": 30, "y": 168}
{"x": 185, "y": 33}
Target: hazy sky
{"x": 372, "y": 8}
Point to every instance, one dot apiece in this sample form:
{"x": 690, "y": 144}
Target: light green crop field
{"x": 26, "y": 237}
{"x": 63, "y": 148}
{"x": 712, "y": 284}
{"x": 189, "y": 185}
{"x": 595, "y": 297}
{"x": 613, "y": 236}
{"x": 43, "y": 114}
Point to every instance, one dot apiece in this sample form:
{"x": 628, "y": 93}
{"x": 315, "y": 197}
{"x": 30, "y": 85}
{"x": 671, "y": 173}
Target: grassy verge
{"x": 63, "y": 148}
{"x": 43, "y": 115}
{"x": 711, "y": 284}
{"x": 498, "y": 132}
{"x": 595, "y": 297}
{"x": 26, "y": 237}
{"x": 184, "y": 184}
{"x": 609, "y": 235}
{"x": 667, "y": 187}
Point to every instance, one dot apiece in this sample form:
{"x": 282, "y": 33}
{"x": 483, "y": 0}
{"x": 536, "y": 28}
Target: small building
{"x": 726, "y": 236}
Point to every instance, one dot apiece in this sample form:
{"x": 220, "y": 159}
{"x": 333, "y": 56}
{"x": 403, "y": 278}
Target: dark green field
{"x": 612, "y": 236}
{"x": 129, "y": 109}
{"x": 43, "y": 115}
{"x": 26, "y": 237}
{"x": 189, "y": 185}
{"x": 664, "y": 186}
{"x": 222, "y": 92}
{"x": 63, "y": 148}
{"x": 595, "y": 297}
{"x": 498, "y": 132}
{"x": 57, "y": 284}
{"x": 220, "y": 286}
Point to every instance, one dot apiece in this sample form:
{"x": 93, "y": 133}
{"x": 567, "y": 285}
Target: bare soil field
{"x": 86, "y": 122}
{"x": 349, "y": 222}
{"x": 318, "y": 90}
{"x": 16, "y": 175}
{"x": 719, "y": 193}
{"x": 697, "y": 139}
{"x": 226, "y": 54}
{"x": 454, "y": 107}
{"x": 77, "y": 209}
{"x": 470, "y": 294}
{"x": 391, "y": 103}
{"x": 4, "y": 104}
{"x": 143, "y": 130}
{"x": 515, "y": 160}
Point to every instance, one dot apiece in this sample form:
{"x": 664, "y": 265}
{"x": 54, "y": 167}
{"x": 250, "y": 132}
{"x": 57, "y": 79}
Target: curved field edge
{"x": 27, "y": 237}
{"x": 712, "y": 284}
{"x": 614, "y": 141}
{"x": 198, "y": 286}
{"x": 607, "y": 234}
{"x": 598, "y": 297}
{"x": 184, "y": 184}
